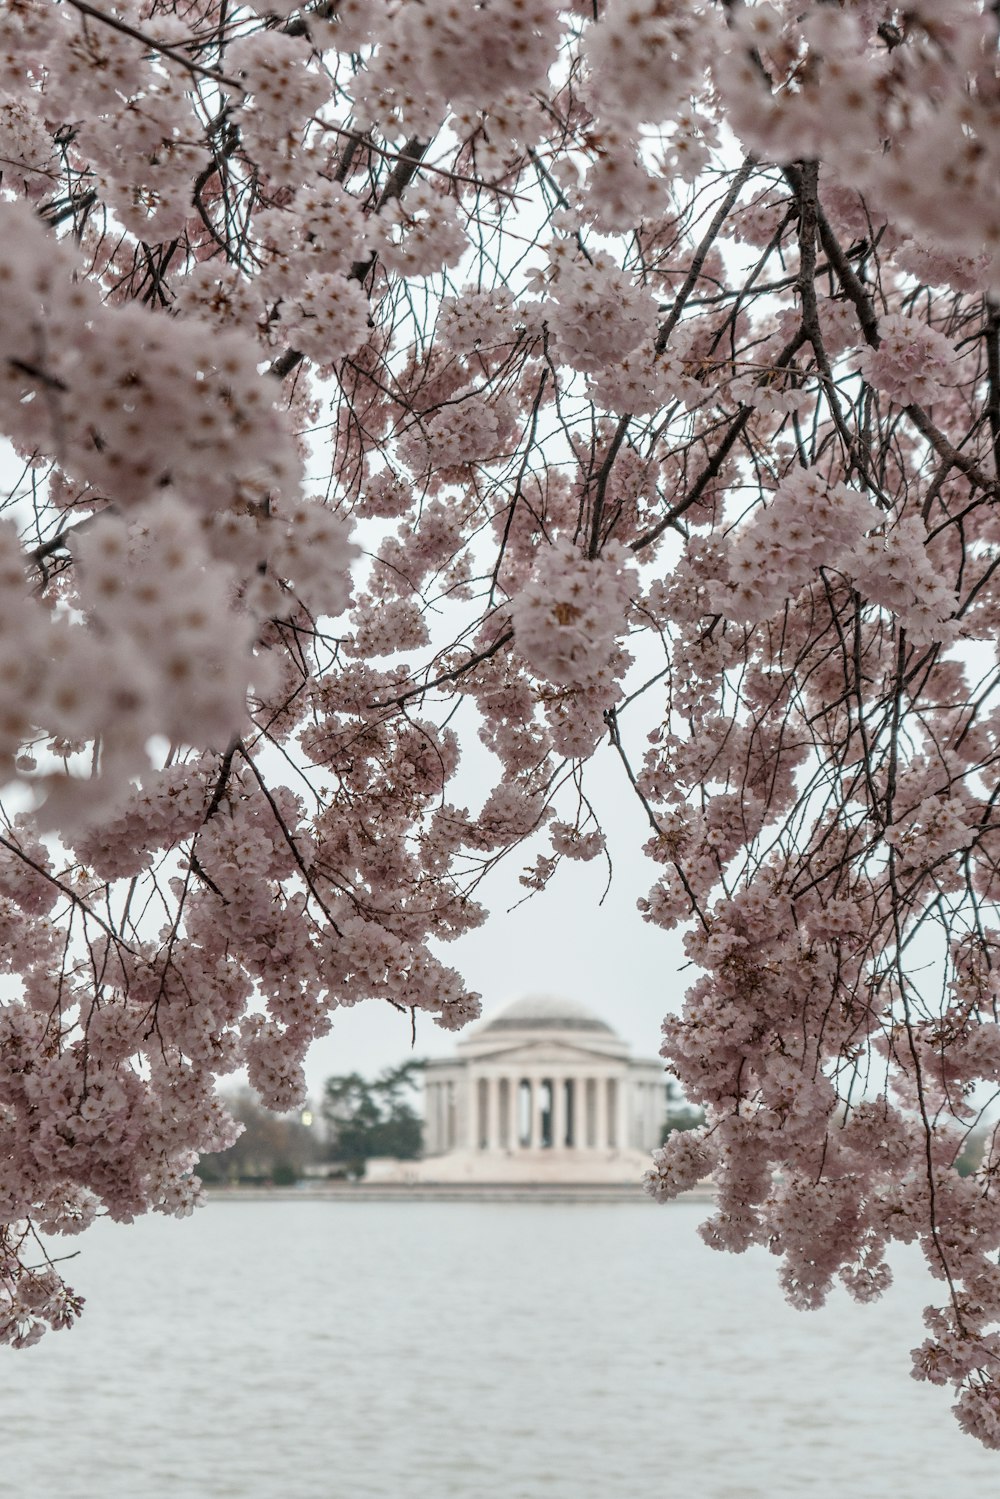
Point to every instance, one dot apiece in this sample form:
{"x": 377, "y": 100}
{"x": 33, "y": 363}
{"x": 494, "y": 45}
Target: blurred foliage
{"x": 365, "y": 1119}
{"x": 273, "y": 1149}
{"x": 681, "y": 1115}
{"x": 971, "y": 1154}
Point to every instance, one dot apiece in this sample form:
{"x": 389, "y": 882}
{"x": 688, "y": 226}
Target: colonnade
{"x": 527, "y": 1112}
{"x": 440, "y": 1117}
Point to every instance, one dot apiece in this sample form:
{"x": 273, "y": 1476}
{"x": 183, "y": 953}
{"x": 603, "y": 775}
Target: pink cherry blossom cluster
{"x": 423, "y": 235}
{"x": 26, "y": 148}
{"x": 896, "y": 572}
{"x": 112, "y": 388}
{"x": 903, "y": 113}
{"x": 597, "y": 315}
{"x": 565, "y": 618}
{"x": 440, "y": 52}
{"x": 34, "y": 1300}
{"x": 647, "y": 56}
{"x": 278, "y": 95}
{"x": 787, "y": 72}
{"x": 806, "y": 526}
{"x": 911, "y": 363}
{"x": 373, "y": 376}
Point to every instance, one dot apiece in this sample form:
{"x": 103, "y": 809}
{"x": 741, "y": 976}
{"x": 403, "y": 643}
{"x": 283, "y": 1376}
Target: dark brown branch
{"x": 153, "y": 45}
{"x": 868, "y": 318}
{"x": 701, "y": 253}
{"x": 407, "y": 164}
{"x": 714, "y": 465}
{"x": 449, "y": 676}
{"x": 602, "y": 485}
{"x": 611, "y": 719}
{"x": 992, "y": 336}
{"x": 286, "y": 835}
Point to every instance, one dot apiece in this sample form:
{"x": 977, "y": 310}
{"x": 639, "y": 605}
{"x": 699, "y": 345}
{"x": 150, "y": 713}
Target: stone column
{"x": 536, "y": 1113}
{"x": 621, "y": 1128}
{"x": 471, "y": 1122}
{"x": 503, "y": 1113}
{"x": 493, "y": 1113}
{"x": 559, "y": 1113}
{"x": 601, "y": 1130}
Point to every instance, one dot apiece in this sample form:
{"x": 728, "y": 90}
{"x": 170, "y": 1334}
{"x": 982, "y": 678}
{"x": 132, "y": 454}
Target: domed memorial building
{"x": 543, "y": 1091}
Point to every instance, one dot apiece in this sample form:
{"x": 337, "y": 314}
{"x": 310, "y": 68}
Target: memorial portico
{"x": 544, "y": 1089}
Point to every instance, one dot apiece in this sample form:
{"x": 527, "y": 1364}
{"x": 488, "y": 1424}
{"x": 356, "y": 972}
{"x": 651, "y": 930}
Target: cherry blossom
{"x": 381, "y": 379}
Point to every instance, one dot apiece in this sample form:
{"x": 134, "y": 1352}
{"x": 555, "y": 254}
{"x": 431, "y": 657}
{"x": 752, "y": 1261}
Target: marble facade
{"x": 545, "y": 1090}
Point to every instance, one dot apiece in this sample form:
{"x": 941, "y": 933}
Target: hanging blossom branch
{"x": 411, "y": 375}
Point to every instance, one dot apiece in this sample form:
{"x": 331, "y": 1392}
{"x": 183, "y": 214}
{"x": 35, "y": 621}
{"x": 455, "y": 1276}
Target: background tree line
{"x": 358, "y": 1119}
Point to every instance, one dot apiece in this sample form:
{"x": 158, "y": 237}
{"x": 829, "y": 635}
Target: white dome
{"x": 545, "y": 1012}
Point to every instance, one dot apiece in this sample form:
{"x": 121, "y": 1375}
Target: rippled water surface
{"x": 437, "y": 1350}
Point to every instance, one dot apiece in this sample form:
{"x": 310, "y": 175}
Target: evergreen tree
{"x": 365, "y": 1119}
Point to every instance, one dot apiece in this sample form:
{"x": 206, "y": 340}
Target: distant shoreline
{"x": 448, "y": 1192}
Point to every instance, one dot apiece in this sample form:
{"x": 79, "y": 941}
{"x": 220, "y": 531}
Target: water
{"x": 437, "y": 1350}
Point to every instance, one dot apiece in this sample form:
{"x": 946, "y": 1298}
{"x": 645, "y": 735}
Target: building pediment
{"x": 544, "y": 1053}
{"x": 544, "y": 1078}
